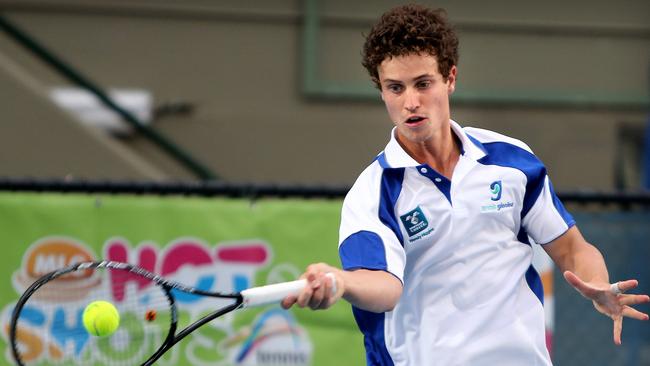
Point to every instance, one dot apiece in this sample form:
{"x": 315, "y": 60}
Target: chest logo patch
{"x": 414, "y": 221}
{"x": 495, "y": 188}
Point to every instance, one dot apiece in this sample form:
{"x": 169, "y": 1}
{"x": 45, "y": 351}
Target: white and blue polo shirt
{"x": 461, "y": 248}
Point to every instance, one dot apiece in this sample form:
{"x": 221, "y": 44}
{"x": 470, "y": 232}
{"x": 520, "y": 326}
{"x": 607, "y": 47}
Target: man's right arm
{"x": 372, "y": 290}
{"x": 372, "y": 256}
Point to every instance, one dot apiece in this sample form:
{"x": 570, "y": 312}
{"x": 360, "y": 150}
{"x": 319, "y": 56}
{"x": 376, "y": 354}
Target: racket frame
{"x": 167, "y": 286}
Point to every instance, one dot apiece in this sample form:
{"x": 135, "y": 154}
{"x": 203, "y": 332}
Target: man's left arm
{"x": 584, "y": 268}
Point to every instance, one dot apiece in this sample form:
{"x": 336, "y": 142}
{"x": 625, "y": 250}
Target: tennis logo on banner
{"x": 415, "y": 223}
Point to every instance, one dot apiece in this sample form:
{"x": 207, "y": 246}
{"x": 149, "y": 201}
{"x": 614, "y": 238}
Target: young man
{"x": 435, "y": 233}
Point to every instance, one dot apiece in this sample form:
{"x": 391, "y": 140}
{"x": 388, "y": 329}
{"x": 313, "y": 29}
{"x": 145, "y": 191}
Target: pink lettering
{"x": 246, "y": 253}
{"x": 119, "y": 251}
{"x": 183, "y": 253}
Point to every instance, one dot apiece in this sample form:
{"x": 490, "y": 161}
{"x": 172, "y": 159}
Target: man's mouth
{"x": 414, "y": 119}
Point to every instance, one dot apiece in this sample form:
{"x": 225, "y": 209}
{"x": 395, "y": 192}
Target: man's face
{"x": 416, "y": 96}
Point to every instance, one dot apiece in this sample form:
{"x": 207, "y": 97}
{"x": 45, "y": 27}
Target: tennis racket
{"x": 148, "y": 314}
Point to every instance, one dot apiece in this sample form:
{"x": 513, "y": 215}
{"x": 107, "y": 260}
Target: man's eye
{"x": 395, "y": 88}
{"x": 424, "y": 84}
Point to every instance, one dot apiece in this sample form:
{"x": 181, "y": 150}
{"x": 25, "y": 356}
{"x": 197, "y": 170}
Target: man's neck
{"x": 441, "y": 153}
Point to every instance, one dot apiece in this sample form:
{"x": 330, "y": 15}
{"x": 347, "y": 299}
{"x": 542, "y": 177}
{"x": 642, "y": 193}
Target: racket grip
{"x": 274, "y": 293}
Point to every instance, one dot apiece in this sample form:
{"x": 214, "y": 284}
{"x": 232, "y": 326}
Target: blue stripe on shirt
{"x": 372, "y": 327}
{"x": 391, "y": 186}
{"x": 535, "y": 283}
{"x": 363, "y": 249}
{"x": 566, "y": 216}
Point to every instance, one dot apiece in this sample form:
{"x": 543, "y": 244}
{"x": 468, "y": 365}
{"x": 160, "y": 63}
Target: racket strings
{"x": 50, "y": 327}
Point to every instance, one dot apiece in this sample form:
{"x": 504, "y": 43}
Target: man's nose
{"x": 411, "y": 101}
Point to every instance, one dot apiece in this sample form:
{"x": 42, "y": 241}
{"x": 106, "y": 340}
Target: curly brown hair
{"x": 410, "y": 29}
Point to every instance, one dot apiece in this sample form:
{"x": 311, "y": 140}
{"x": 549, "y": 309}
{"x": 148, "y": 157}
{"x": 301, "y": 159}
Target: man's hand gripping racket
{"x": 148, "y": 315}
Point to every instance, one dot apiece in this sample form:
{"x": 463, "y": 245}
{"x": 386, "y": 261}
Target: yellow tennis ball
{"x": 101, "y": 318}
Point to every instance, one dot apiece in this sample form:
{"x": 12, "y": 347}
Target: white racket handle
{"x": 269, "y": 294}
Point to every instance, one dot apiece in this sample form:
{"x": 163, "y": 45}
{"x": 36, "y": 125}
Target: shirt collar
{"x": 394, "y": 155}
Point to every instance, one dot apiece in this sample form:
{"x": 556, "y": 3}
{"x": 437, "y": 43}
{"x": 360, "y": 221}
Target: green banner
{"x": 246, "y": 243}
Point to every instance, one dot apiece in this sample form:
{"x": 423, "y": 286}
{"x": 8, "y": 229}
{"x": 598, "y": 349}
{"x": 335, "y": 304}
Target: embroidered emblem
{"x": 414, "y": 221}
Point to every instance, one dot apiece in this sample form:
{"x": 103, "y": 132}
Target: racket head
{"x": 47, "y": 328}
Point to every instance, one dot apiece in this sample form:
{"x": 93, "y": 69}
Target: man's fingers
{"x": 327, "y": 292}
{"x": 578, "y": 284}
{"x": 305, "y": 295}
{"x": 288, "y": 301}
{"x": 611, "y": 301}
{"x": 625, "y": 286}
{"x": 633, "y": 299}
{"x": 318, "y": 292}
{"x": 634, "y": 314}
{"x": 618, "y": 329}
{"x": 573, "y": 280}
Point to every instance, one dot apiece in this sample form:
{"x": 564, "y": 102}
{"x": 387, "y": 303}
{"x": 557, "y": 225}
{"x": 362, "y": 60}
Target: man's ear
{"x": 451, "y": 79}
